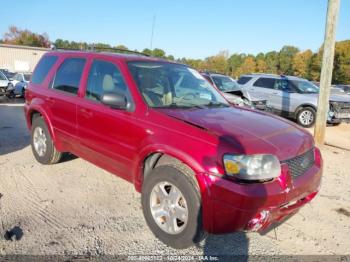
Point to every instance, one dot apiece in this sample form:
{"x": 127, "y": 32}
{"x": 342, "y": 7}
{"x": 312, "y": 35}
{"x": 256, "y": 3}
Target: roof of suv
{"x": 123, "y": 56}
{"x": 273, "y": 76}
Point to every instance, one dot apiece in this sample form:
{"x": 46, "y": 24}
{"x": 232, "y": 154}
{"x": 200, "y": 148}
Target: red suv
{"x": 201, "y": 164}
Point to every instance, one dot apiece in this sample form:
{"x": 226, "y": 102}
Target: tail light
{"x": 318, "y": 157}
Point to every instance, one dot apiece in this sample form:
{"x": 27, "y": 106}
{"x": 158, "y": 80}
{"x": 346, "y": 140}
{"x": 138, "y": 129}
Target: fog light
{"x": 258, "y": 221}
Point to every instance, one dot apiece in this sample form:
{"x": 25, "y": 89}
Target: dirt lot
{"x": 76, "y": 208}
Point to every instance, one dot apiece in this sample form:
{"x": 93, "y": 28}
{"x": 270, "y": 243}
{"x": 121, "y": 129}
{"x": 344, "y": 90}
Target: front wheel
{"x": 171, "y": 205}
{"x": 306, "y": 117}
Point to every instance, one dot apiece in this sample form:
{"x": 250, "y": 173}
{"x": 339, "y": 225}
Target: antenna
{"x": 153, "y": 25}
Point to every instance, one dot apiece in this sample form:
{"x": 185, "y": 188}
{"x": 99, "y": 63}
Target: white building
{"x": 17, "y": 58}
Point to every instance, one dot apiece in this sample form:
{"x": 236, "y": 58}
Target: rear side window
{"x": 68, "y": 75}
{"x": 243, "y": 80}
{"x": 265, "y": 83}
{"x": 43, "y": 68}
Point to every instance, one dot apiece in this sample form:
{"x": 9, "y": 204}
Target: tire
{"x": 306, "y": 117}
{"x": 49, "y": 155}
{"x": 186, "y": 232}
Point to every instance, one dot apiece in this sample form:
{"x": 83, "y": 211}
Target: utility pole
{"x": 153, "y": 24}
{"x": 326, "y": 72}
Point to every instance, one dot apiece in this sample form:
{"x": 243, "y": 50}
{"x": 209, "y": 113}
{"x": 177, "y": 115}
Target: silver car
{"x": 294, "y": 97}
{"x": 233, "y": 92}
{"x": 6, "y": 87}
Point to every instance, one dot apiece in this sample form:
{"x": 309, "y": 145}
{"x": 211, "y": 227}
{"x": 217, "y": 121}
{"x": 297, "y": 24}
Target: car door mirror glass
{"x": 114, "y": 100}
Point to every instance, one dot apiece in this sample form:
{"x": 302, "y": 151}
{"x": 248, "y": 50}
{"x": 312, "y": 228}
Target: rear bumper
{"x": 257, "y": 207}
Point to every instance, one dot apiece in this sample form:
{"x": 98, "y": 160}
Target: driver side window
{"x": 105, "y": 77}
{"x": 282, "y": 85}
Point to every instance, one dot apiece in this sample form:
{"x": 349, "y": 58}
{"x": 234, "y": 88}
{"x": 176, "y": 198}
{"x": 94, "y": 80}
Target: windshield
{"x": 27, "y": 77}
{"x": 225, "y": 83}
{"x": 166, "y": 85}
{"x": 304, "y": 86}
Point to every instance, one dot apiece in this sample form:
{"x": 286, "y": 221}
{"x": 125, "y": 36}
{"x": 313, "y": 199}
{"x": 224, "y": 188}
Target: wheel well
{"x": 34, "y": 114}
{"x": 160, "y": 159}
{"x": 303, "y": 106}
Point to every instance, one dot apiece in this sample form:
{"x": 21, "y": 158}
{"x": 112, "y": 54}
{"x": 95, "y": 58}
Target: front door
{"x": 108, "y": 136}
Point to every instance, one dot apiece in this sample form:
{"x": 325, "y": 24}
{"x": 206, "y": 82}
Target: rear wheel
{"x": 306, "y": 117}
{"x": 42, "y": 145}
{"x": 171, "y": 205}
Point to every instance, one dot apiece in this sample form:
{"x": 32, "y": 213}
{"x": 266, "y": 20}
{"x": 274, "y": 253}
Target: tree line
{"x": 290, "y": 60}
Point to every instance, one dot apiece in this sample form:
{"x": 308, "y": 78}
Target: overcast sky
{"x": 191, "y": 28}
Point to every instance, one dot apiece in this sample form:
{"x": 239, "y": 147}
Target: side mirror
{"x": 114, "y": 100}
{"x": 10, "y": 79}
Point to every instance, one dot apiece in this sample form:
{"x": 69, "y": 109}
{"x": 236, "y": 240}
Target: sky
{"x": 192, "y": 28}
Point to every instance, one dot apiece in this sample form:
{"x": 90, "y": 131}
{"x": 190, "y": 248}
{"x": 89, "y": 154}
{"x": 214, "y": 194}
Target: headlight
{"x": 252, "y": 167}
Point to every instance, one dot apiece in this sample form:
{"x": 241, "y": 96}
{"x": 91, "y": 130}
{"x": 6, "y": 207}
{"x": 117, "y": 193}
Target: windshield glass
{"x": 225, "y": 83}
{"x": 304, "y": 86}
{"x": 166, "y": 85}
{"x": 27, "y": 77}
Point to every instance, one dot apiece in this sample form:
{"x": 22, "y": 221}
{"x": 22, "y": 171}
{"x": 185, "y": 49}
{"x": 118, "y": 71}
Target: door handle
{"x": 86, "y": 113}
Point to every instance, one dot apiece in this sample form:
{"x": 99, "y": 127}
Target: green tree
{"x": 147, "y": 51}
{"x": 217, "y": 63}
{"x": 157, "y": 52}
{"x": 261, "y": 66}
{"x": 286, "y": 56}
{"x": 314, "y": 71}
{"x": 248, "y": 66}
{"x": 341, "y": 70}
{"x": 301, "y": 63}
{"x": 271, "y": 60}
{"x": 234, "y": 63}
{"x": 16, "y": 36}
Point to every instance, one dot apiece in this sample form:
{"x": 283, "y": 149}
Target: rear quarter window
{"x": 243, "y": 80}
{"x": 43, "y": 68}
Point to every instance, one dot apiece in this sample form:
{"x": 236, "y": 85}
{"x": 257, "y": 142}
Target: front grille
{"x": 340, "y": 107}
{"x": 300, "y": 164}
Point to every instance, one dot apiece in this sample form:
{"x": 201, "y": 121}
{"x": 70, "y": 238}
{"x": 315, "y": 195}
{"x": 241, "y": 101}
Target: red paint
{"x": 119, "y": 141}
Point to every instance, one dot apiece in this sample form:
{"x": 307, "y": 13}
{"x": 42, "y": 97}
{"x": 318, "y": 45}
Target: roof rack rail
{"x": 92, "y": 48}
{"x": 210, "y": 72}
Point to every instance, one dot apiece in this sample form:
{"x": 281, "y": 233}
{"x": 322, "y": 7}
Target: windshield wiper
{"x": 216, "y": 104}
{"x": 175, "y": 105}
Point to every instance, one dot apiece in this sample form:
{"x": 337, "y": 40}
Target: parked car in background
{"x": 335, "y": 89}
{"x": 295, "y": 97}
{"x": 20, "y": 81}
{"x": 200, "y": 164}
{"x": 20, "y": 77}
{"x": 6, "y": 87}
{"x": 7, "y": 73}
{"x": 232, "y": 91}
{"x": 345, "y": 88}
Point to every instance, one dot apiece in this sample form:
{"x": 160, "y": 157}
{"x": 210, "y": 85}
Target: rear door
{"x": 263, "y": 88}
{"x": 61, "y": 100}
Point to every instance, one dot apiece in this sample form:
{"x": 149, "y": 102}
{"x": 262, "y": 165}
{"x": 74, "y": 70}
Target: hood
{"x": 340, "y": 98}
{"x": 4, "y": 83}
{"x": 254, "y": 132}
{"x": 335, "y": 98}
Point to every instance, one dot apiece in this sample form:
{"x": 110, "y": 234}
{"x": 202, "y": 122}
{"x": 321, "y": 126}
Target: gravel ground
{"x": 75, "y": 208}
